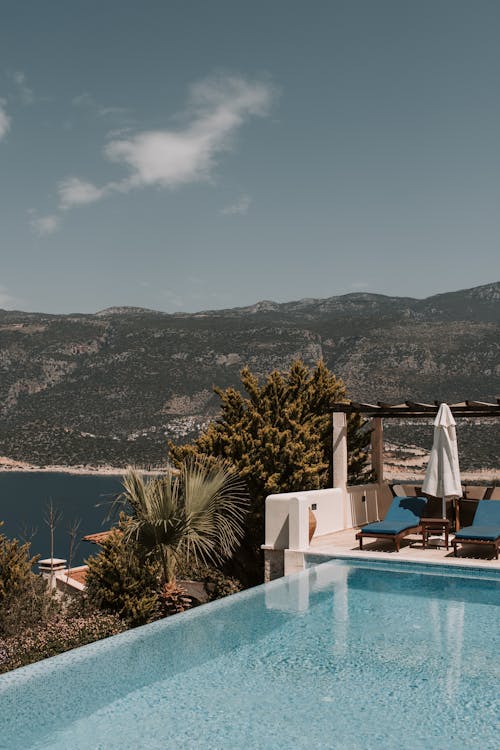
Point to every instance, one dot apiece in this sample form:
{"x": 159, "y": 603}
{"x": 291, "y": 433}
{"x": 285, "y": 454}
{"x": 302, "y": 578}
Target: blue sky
{"x": 191, "y": 155}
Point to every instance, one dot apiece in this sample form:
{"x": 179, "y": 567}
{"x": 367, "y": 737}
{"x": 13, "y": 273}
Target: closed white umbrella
{"x": 442, "y": 478}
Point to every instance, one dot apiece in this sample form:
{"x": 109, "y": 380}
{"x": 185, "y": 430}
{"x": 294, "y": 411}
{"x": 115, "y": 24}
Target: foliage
{"x": 278, "y": 436}
{"x": 121, "y": 580}
{"x": 217, "y": 583}
{"x": 173, "y": 599}
{"x": 196, "y": 512}
{"x": 24, "y": 596}
{"x": 54, "y": 637}
{"x": 32, "y": 623}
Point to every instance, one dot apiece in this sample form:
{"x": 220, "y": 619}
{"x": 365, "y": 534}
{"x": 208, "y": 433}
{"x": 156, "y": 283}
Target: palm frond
{"x": 197, "y": 512}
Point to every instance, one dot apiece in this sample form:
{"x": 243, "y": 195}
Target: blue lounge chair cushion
{"x": 388, "y": 527}
{"x": 487, "y": 513}
{"x": 404, "y": 513}
{"x": 486, "y": 523}
{"x": 409, "y": 509}
{"x": 485, "y": 533}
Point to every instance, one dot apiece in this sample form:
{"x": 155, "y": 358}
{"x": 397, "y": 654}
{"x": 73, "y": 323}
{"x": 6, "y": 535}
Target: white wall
{"x": 287, "y": 514}
{"x": 287, "y": 517}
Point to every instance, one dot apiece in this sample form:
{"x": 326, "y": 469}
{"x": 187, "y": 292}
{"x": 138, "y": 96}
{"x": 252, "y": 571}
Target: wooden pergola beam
{"x": 416, "y": 410}
{"x": 382, "y": 410}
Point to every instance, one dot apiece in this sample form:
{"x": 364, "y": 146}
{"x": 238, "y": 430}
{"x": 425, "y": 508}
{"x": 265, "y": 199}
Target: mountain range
{"x": 111, "y": 387}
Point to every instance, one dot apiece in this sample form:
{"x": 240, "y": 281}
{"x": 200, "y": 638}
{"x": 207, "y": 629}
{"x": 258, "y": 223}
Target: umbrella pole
{"x": 442, "y": 536}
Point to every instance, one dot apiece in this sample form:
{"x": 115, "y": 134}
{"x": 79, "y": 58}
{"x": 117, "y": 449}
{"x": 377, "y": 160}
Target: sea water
{"x": 25, "y": 498}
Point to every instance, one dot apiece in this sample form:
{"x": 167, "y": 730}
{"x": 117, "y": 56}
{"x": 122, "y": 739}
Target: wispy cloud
{"x": 7, "y": 301}
{"x": 87, "y": 102}
{"x": 76, "y": 192}
{"x": 238, "y": 208}
{"x": 360, "y": 286}
{"x": 25, "y": 92}
{"x": 173, "y": 300}
{"x": 4, "y": 119}
{"x": 44, "y": 225}
{"x": 217, "y": 107}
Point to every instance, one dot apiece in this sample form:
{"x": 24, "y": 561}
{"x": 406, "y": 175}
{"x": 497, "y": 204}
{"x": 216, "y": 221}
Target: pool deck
{"x": 344, "y": 544}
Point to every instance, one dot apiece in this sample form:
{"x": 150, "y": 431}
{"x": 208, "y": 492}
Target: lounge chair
{"x": 402, "y": 519}
{"x": 485, "y": 527}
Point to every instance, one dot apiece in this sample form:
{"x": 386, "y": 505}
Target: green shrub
{"x": 54, "y": 637}
{"x": 122, "y": 581}
{"x": 25, "y": 599}
{"x": 217, "y": 584}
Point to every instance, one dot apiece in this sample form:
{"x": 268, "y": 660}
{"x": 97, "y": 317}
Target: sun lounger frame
{"x": 495, "y": 543}
{"x": 396, "y": 538}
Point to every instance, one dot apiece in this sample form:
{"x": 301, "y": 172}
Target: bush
{"x": 56, "y": 636}
{"x": 25, "y": 599}
{"x": 217, "y": 584}
{"x": 122, "y": 581}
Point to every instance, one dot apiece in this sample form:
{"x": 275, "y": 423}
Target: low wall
{"x": 335, "y": 509}
{"x": 287, "y": 517}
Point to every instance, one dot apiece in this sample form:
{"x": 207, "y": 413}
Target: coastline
{"x": 404, "y": 471}
{"x": 408, "y": 475}
{"x": 11, "y": 465}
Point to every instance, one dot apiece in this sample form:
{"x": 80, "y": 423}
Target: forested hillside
{"x": 111, "y": 387}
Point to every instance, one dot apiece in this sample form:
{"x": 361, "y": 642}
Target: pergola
{"x": 381, "y": 410}
{"x": 342, "y": 507}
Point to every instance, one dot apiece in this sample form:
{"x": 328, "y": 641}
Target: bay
{"x": 24, "y": 498}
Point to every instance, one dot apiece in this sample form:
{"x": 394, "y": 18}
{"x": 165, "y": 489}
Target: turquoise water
{"x": 340, "y": 656}
{"x": 23, "y": 504}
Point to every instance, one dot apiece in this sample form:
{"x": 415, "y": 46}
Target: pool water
{"x": 343, "y": 655}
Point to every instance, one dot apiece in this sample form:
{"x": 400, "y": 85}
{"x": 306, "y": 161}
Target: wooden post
{"x": 339, "y": 450}
{"x": 377, "y": 444}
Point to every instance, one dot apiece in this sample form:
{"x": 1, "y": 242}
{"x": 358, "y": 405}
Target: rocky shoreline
{"x": 405, "y": 470}
{"x": 10, "y": 464}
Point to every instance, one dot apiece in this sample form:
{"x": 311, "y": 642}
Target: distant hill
{"x": 109, "y": 387}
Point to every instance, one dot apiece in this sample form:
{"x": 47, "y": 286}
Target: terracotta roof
{"x": 97, "y": 538}
{"x": 78, "y": 575}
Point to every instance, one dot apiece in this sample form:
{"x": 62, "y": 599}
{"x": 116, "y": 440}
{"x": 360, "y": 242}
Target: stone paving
{"x": 344, "y": 543}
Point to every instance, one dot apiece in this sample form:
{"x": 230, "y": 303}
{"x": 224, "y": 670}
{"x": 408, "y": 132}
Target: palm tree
{"x": 197, "y": 511}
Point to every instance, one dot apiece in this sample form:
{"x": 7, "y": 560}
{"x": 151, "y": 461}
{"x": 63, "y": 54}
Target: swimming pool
{"x": 343, "y": 655}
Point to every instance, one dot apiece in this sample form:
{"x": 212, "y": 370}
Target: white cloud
{"x": 25, "y": 92}
{"x": 44, "y": 225}
{"x": 167, "y": 158}
{"x": 360, "y": 286}
{"x": 239, "y": 208}
{"x": 76, "y": 192}
{"x": 4, "y": 119}
{"x": 170, "y": 158}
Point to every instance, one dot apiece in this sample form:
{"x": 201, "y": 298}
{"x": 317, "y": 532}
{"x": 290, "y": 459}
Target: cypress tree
{"x": 278, "y": 435}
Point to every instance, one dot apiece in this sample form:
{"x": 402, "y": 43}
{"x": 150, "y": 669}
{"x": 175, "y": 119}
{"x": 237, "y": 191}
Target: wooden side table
{"x": 434, "y": 524}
